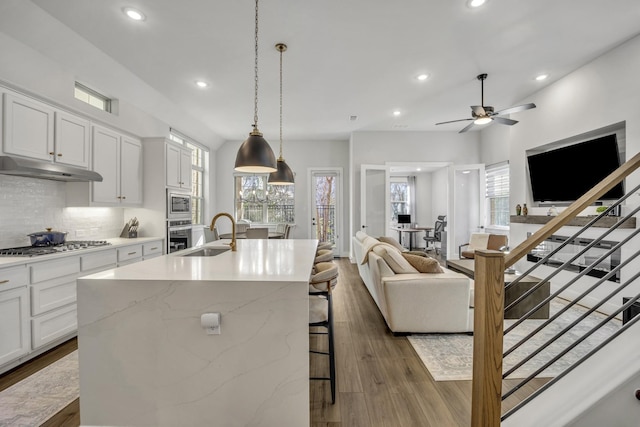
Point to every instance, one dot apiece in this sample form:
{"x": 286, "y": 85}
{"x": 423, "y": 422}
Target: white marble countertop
{"x": 115, "y": 243}
{"x": 279, "y": 260}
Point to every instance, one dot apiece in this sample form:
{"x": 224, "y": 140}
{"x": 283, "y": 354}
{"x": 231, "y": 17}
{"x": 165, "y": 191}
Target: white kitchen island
{"x": 145, "y": 359}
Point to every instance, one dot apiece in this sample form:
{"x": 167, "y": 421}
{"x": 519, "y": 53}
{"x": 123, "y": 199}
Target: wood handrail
{"x": 572, "y": 211}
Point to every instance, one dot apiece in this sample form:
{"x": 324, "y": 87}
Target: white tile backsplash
{"x": 28, "y": 205}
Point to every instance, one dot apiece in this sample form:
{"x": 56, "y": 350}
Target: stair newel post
{"x": 488, "y": 328}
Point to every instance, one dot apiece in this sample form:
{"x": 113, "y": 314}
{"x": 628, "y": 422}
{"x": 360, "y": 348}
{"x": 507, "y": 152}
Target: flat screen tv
{"x": 404, "y": 219}
{"x": 565, "y": 174}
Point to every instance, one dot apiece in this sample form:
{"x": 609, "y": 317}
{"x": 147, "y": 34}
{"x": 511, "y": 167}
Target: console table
{"x": 466, "y": 267}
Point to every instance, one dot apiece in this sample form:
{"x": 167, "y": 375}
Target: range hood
{"x": 45, "y": 170}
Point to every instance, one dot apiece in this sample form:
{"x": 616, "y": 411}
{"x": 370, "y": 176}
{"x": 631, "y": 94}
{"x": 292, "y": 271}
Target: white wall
{"x": 599, "y": 94}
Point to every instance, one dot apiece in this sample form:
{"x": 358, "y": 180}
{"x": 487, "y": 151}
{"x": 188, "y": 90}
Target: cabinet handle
{"x": 153, "y": 249}
{"x": 132, "y": 253}
{"x": 2, "y": 282}
{"x": 59, "y": 154}
{"x": 51, "y": 153}
{"x": 124, "y": 197}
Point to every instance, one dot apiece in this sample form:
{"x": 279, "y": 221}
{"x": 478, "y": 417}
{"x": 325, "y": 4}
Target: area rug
{"x": 37, "y": 398}
{"x": 449, "y": 357}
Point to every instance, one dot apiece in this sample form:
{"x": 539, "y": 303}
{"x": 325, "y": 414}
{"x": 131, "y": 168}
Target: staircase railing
{"x": 490, "y": 404}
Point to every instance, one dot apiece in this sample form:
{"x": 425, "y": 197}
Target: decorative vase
{"x": 518, "y": 209}
{"x": 525, "y": 211}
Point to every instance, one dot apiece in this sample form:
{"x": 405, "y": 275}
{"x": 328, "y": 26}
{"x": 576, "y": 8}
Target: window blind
{"x": 497, "y": 180}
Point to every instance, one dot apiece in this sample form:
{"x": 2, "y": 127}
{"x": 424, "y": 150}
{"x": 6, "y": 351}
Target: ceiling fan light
{"x": 482, "y": 120}
{"x": 283, "y": 176}
{"x": 255, "y": 155}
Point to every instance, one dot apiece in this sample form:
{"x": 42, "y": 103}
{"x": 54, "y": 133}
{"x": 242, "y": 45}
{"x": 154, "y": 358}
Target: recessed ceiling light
{"x": 541, "y": 77}
{"x": 418, "y": 170}
{"x": 476, "y": 3}
{"x": 202, "y": 84}
{"x": 134, "y": 14}
{"x": 423, "y": 77}
{"x": 396, "y": 113}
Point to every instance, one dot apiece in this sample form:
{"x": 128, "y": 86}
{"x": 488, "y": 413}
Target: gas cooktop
{"x": 70, "y": 245}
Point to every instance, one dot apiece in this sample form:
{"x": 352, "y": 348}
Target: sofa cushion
{"x": 423, "y": 264}
{"x": 391, "y": 241}
{"x": 394, "y": 259}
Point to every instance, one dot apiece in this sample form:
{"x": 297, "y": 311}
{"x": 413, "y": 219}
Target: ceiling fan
{"x": 484, "y": 114}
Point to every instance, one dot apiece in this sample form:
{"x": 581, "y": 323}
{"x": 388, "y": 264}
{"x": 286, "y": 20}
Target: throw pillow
{"x": 423, "y": 264}
{"x": 394, "y": 259}
{"x": 392, "y": 241}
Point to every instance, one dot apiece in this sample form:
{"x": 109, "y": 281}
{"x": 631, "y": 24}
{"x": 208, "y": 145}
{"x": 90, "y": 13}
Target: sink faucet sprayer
{"x": 233, "y": 228}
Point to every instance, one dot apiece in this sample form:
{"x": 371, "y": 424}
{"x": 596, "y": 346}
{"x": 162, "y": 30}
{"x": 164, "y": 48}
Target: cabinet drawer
{"x": 13, "y": 277}
{"x": 53, "y": 269}
{"x": 52, "y": 294}
{"x": 129, "y": 252}
{"x": 151, "y": 248}
{"x": 54, "y": 325}
{"x": 99, "y": 260}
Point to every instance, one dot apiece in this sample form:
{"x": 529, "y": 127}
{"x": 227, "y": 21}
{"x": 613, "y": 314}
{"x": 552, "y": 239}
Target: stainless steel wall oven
{"x": 179, "y": 234}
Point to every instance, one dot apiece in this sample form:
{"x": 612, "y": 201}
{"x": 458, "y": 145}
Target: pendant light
{"x": 284, "y": 174}
{"x": 255, "y": 155}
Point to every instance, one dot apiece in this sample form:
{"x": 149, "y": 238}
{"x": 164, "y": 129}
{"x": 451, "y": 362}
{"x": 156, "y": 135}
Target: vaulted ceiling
{"x": 350, "y": 63}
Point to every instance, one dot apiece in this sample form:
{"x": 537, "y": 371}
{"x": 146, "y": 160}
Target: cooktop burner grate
{"x": 46, "y": 250}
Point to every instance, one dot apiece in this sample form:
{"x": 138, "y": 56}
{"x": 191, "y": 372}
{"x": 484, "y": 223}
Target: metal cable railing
{"x": 603, "y": 328}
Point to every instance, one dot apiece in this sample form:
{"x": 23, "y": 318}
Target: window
{"x": 257, "y": 201}
{"x": 399, "y": 191}
{"x": 199, "y": 158}
{"x": 498, "y": 194}
{"x": 92, "y": 97}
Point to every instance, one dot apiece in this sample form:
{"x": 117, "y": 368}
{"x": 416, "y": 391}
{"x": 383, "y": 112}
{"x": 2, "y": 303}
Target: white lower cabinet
{"x": 151, "y": 250}
{"x": 14, "y": 324}
{"x": 53, "y": 297}
{"x": 53, "y": 325}
{"x": 38, "y": 299}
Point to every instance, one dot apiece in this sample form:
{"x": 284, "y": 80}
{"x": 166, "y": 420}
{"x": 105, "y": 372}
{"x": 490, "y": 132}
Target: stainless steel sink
{"x": 207, "y": 252}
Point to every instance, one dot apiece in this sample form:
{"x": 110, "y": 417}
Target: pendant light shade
{"x": 284, "y": 174}
{"x": 255, "y": 154}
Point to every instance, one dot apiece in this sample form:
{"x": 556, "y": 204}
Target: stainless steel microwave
{"x": 178, "y": 205}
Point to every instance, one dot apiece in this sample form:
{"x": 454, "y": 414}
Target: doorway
{"x": 326, "y": 206}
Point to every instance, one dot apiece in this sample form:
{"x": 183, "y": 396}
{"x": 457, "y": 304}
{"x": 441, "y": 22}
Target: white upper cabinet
{"x": 130, "y": 171}
{"x": 178, "y": 167}
{"x": 72, "y": 140}
{"x": 28, "y": 127}
{"x": 118, "y": 159}
{"x": 34, "y": 129}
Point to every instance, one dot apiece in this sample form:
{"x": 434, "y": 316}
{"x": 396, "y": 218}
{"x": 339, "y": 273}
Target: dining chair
{"x": 257, "y": 233}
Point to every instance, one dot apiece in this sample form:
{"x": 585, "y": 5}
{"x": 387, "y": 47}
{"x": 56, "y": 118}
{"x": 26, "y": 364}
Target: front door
{"x": 326, "y": 206}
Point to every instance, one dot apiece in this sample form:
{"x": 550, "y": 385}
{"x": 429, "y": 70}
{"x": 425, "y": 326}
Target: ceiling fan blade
{"x": 478, "y": 110}
{"x": 453, "y": 121}
{"x": 467, "y": 127}
{"x": 516, "y": 109}
{"x": 504, "y": 121}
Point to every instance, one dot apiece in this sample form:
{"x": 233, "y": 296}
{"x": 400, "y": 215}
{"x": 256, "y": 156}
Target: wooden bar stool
{"x": 321, "y": 285}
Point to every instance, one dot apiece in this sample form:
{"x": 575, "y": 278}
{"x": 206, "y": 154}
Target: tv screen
{"x": 566, "y": 173}
{"x": 404, "y": 219}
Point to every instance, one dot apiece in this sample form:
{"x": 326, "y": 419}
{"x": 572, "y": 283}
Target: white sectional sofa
{"x": 410, "y": 301}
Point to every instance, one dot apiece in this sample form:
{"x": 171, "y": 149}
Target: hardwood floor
{"x": 380, "y": 379}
